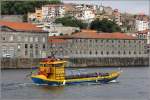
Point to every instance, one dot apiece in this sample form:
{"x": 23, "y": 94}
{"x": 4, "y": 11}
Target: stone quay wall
{"x": 110, "y": 62}
{"x": 21, "y": 63}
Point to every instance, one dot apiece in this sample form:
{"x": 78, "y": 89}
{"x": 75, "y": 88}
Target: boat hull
{"x": 41, "y": 79}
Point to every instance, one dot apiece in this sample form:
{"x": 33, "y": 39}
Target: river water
{"x": 133, "y": 84}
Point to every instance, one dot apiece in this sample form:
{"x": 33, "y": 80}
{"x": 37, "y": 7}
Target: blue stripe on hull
{"x": 40, "y": 81}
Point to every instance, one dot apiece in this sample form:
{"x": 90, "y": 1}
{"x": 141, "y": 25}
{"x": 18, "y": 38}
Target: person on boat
{"x": 44, "y": 71}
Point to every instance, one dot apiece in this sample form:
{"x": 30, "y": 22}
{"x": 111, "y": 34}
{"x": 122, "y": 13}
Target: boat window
{"x": 43, "y": 65}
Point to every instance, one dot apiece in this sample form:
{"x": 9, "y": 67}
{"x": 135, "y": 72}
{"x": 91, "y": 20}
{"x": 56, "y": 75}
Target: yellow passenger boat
{"x": 52, "y": 72}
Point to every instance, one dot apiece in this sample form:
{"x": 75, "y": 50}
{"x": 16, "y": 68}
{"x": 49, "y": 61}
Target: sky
{"x": 129, "y": 6}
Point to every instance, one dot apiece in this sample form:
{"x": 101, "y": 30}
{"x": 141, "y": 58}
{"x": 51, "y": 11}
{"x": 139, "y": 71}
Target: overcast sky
{"x": 129, "y": 6}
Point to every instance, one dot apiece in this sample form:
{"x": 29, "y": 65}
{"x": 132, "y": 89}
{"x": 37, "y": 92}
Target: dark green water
{"x": 133, "y": 84}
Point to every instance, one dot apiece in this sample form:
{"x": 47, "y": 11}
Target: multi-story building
{"x": 142, "y": 22}
{"x": 144, "y": 35}
{"x": 52, "y": 11}
{"x": 31, "y": 17}
{"x": 81, "y": 11}
{"x": 22, "y": 40}
{"x": 90, "y": 44}
{"x": 128, "y": 23}
{"x": 35, "y": 17}
{"x": 117, "y": 17}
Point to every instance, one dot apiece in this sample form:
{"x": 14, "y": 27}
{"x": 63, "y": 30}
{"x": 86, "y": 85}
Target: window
{"x": 112, "y": 52}
{"x": 31, "y": 39}
{"x": 11, "y": 38}
{"x": 26, "y": 45}
{"x": 36, "y": 49}
{"x": 96, "y": 52}
{"x": 3, "y": 38}
{"x": 26, "y": 49}
{"x": 31, "y": 50}
{"x": 43, "y": 39}
{"x": 90, "y": 52}
{"x": 124, "y": 41}
{"x": 107, "y": 53}
{"x": 129, "y": 52}
{"x": 19, "y": 46}
{"x": 96, "y": 40}
{"x": 36, "y": 39}
{"x": 19, "y": 38}
{"x": 101, "y": 52}
{"x": 124, "y": 52}
{"x": 134, "y": 52}
{"x": 43, "y": 46}
{"x": 118, "y": 52}
{"x": 129, "y": 41}
{"x": 31, "y": 45}
{"x": 26, "y": 39}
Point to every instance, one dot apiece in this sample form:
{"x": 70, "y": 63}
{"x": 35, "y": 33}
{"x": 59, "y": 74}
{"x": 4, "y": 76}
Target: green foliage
{"x": 54, "y": 1}
{"x": 105, "y": 26}
{"x": 23, "y": 7}
{"x": 71, "y": 21}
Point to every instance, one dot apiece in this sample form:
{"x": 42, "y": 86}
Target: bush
{"x": 105, "y": 26}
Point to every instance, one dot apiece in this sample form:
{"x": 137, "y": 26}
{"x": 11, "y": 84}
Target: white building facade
{"x": 141, "y": 25}
{"x": 52, "y": 11}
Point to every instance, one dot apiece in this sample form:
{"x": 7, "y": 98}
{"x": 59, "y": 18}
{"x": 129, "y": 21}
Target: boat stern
{"x": 38, "y": 79}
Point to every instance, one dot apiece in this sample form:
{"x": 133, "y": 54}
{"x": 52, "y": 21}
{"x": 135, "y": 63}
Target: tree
{"x": 23, "y": 7}
{"x": 55, "y": 2}
{"x": 71, "y": 21}
{"x": 105, "y": 26}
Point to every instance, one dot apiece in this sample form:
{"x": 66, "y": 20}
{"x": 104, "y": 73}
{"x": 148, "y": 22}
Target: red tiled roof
{"x": 56, "y": 39}
{"x": 20, "y": 26}
{"x": 94, "y": 34}
{"x": 90, "y": 34}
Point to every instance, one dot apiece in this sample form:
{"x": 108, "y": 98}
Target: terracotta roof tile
{"x": 20, "y": 26}
{"x": 94, "y": 34}
{"x": 56, "y": 39}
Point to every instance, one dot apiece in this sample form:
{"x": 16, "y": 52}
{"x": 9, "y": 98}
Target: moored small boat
{"x": 52, "y": 72}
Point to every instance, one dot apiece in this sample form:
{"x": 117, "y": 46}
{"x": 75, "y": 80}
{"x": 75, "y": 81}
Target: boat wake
{"x": 11, "y": 86}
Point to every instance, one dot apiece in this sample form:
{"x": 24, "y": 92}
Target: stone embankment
{"x": 18, "y": 63}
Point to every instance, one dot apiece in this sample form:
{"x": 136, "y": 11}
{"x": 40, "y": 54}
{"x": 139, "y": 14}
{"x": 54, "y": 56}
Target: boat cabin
{"x": 53, "y": 69}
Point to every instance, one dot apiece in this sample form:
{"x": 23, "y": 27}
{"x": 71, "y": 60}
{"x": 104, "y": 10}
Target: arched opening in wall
{"x": 90, "y": 52}
{"x": 101, "y": 52}
{"x": 124, "y": 52}
{"x": 96, "y": 52}
{"x": 107, "y": 53}
{"x": 112, "y": 52}
{"x": 134, "y": 52}
{"x": 119, "y": 52}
